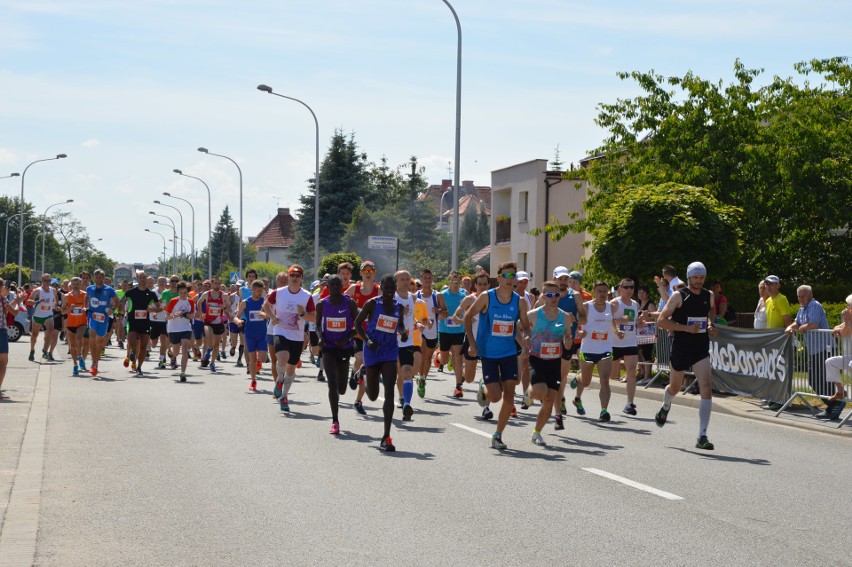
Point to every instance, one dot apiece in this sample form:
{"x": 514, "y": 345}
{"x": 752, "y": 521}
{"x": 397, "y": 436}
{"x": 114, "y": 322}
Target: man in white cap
{"x": 689, "y": 314}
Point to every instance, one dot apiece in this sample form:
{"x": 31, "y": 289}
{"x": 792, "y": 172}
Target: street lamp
{"x": 43, "y": 218}
{"x": 206, "y": 151}
{"x": 11, "y": 175}
{"x": 268, "y": 89}
{"x": 441, "y": 207}
{"x": 455, "y": 255}
{"x": 174, "y": 231}
{"x": 180, "y": 215}
{"x": 192, "y": 245}
{"x": 209, "y": 222}
{"x": 21, "y": 229}
{"x": 164, "y": 243}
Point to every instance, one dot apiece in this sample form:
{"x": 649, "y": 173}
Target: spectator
{"x": 723, "y": 317}
{"x": 835, "y": 365}
{"x": 778, "y": 311}
{"x": 667, "y": 284}
{"x": 811, "y": 317}
{"x": 647, "y": 335}
{"x": 760, "y": 310}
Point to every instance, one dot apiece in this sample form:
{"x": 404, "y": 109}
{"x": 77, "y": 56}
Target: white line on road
{"x": 472, "y": 430}
{"x": 634, "y": 484}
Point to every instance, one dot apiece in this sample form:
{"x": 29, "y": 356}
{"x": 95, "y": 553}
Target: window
{"x": 523, "y": 205}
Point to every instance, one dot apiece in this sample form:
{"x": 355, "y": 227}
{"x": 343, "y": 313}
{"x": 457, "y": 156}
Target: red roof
{"x": 278, "y": 233}
{"x": 469, "y": 201}
{"x": 433, "y": 194}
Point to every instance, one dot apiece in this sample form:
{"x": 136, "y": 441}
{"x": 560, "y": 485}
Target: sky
{"x": 129, "y": 90}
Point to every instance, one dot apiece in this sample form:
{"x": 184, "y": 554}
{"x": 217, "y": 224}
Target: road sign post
{"x": 384, "y": 243}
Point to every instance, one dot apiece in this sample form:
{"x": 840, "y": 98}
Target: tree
{"x": 329, "y": 264}
{"x": 9, "y": 273}
{"x": 224, "y": 242}
{"x": 778, "y": 153}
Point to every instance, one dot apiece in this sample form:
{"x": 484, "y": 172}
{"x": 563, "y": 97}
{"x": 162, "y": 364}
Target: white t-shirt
{"x": 629, "y": 329}
{"x": 181, "y": 324}
{"x": 407, "y": 306}
{"x": 598, "y": 327}
{"x": 286, "y": 307}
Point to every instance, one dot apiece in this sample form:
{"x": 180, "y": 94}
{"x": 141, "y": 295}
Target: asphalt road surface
{"x": 149, "y": 471}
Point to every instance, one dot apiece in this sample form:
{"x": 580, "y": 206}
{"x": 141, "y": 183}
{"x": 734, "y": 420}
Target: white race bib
{"x": 337, "y": 323}
{"x": 140, "y": 314}
{"x": 99, "y": 317}
{"x": 702, "y": 321}
{"x": 626, "y": 327}
{"x": 76, "y": 310}
{"x": 503, "y": 328}
{"x": 386, "y": 323}
{"x": 549, "y": 351}
{"x": 600, "y": 335}
{"x": 255, "y": 316}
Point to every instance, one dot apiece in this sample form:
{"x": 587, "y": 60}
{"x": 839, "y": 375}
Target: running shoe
{"x": 704, "y": 443}
{"x": 487, "y": 413}
{"x": 578, "y": 403}
{"x": 560, "y": 424}
{"x": 407, "y": 412}
{"x": 316, "y": 361}
{"x": 450, "y": 364}
{"x": 121, "y": 345}
{"x": 253, "y": 386}
{"x": 82, "y": 362}
{"x": 536, "y": 439}
{"x": 173, "y": 363}
{"x": 183, "y": 376}
{"x": 139, "y": 372}
{"x": 259, "y": 366}
{"x": 481, "y": 399}
{"x": 661, "y": 417}
{"x": 133, "y": 366}
{"x": 527, "y": 400}
{"x": 400, "y": 403}
{"x": 574, "y": 382}
{"x": 563, "y": 409}
{"x": 93, "y": 371}
{"x": 630, "y": 409}
{"x": 335, "y": 429}
{"x": 299, "y": 364}
{"x": 605, "y": 417}
{"x": 50, "y": 357}
{"x": 359, "y": 407}
{"x": 284, "y": 404}
{"x": 276, "y": 392}
{"x": 219, "y": 356}
{"x": 44, "y": 355}
{"x": 441, "y": 368}
{"x": 458, "y": 393}
{"x": 514, "y": 411}
{"x": 161, "y": 365}
{"x": 421, "y": 387}
{"x": 212, "y": 366}
{"x": 76, "y": 371}
{"x": 353, "y": 382}
{"x": 239, "y": 364}
{"x": 320, "y": 377}
{"x": 233, "y": 350}
{"x": 497, "y": 442}
{"x": 32, "y": 356}
{"x": 387, "y": 445}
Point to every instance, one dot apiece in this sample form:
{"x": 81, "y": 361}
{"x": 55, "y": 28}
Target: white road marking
{"x": 472, "y": 430}
{"x": 634, "y": 484}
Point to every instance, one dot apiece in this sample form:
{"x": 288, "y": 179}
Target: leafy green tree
{"x": 9, "y": 273}
{"x": 265, "y": 269}
{"x": 329, "y": 264}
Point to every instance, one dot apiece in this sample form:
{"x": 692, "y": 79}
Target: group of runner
{"x": 389, "y": 331}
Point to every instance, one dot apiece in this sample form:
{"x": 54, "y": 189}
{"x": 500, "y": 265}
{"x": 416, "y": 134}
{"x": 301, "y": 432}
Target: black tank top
{"x": 694, "y": 306}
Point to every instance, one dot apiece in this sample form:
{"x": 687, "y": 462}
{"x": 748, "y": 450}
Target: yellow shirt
{"x": 776, "y": 309}
{"x": 421, "y": 313}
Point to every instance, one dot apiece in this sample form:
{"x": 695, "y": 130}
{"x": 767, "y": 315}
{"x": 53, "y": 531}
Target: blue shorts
{"x": 594, "y": 357}
{"x": 197, "y": 329}
{"x": 99, "y": 327}
{"x": 4, "y": 341}
{"x": 496, "y": 370}
{"x": 234, "y": 329}
{"x": 255, "y": 343}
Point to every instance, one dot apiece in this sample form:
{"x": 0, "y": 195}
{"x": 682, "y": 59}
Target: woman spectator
{"x": 721, "y": 303}
{"x": 760, "y": 310}
{"x": 646, "y": 336}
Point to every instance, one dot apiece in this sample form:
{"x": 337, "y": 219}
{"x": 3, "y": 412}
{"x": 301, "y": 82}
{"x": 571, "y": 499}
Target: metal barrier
{"x": 810, "y": 351}
{"x": 663, "y": 348}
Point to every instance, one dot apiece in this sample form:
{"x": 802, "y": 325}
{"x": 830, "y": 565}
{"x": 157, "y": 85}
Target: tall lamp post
{"x": 164, "y": 244}
{"x": 208, "y": 152}
{"x": 268, "y": 89}
{"x": 209, "y": 221}
{"x": 43, "y": 223}
{"x": 21, "y": 228}
{"x": 6, "y": 242}
{"x": 192, "y": 245}
{"x": 180, "y": 215}
{"x": 441, "y": 207}
{"x": 174, "y": 231}
{"x": 455, "y": 255}
{"x": 11, "y": 175}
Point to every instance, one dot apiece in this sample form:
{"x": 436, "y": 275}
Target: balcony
{"x": 504, "y": 231}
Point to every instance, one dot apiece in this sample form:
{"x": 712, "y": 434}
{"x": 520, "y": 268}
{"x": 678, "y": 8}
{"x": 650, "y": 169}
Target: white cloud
{"x": 91, "y": 143}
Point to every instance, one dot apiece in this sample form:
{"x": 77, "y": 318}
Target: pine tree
{"x": 224, "y": 242}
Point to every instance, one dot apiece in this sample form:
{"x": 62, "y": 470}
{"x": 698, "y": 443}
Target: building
{"x": 440, "y": 197}
{"x": 525, "y": 197}
{"x": 274, "y": 240}
{"x": 128, "y": 271}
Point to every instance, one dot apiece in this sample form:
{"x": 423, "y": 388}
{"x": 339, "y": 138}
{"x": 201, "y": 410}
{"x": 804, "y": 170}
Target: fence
{"x": 810, "y": 351}
{"x": 663, "y": 348}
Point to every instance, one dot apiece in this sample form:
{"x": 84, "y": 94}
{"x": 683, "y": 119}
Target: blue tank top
{"x": 546, "y": 337}
{"x": 452, "y": 301}
{"x": 255, "y": 326}
{"x": 381, "y": 328}
{"x": 568, "y": 304}
{"x": 495, "y": 337}
{"x": 336, "y": 323}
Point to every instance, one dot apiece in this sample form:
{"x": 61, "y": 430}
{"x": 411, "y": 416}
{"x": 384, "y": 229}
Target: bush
{"x": 9, "y": 273}
{"x": 329, "y": 264}
{"x": 265, "y": 270}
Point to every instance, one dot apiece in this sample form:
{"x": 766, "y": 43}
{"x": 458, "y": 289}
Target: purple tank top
{"x": 336, "y": 323}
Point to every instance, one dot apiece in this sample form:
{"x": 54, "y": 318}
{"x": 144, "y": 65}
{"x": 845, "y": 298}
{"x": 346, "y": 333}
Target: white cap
{"x": 696, "y": 269}
{"x": 560, "y": 271}
{"x": 522, "y": 276}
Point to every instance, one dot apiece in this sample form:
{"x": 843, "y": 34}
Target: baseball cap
{"x": 207, "y": 282}
{"x": 315, "y": 283}
{"x": 522, "y": 276}
{"x": 54, "y": 281}
{"x": 367, "y": 264}
{"x": 295, "y": 271}
{"x": 575, "y": 275}
{"x": 560, "y": 271}
{"x": 772, "y": 279}
{"x": 241, "y": 283}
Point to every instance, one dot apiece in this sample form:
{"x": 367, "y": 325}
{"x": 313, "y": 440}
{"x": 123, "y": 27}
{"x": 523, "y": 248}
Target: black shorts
{"x": 157, "y": 328}
{"x": 110, "y": 324}
{"x": 621, "y": 352}
{"x": 496, "y": 370}
{"x": 314, "y": 338}
{"x": 682, "y": 359}
{"x": 546, "y": 372}
{"x": 465, "y": 347}
{"x": 139, "y": 326}
{"x": 449, "y": 340}
{"x": 568, "y": 353}
{"x": 336, "y": 355}
{"x": 293, "y": 348}
{"x": 430, "y": 343}
{"x": 57, "y": 321}
{"x": 176, "y": 338}
{"x": 406, "y": 355}
{"x": 359, "y": 345}
{"x": 73, "y": 330}
{"x": 218, "y": 328}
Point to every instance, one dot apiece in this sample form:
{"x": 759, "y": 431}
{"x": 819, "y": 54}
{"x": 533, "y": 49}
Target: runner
{"x": 180, "y": 311}
{"x": 235, "y": 297}
{"x": 422, "y": 323}
{"x": 159, "y": 327}
{"x": 430, "y": 331}
{"x": 101, "y": 301}
{"x": 361, "y": 292}
{"x": 408, "y": 303}
{"x": 120, "y": 325}
{"x": 57, "y": 319}
{"x": 596, "y": 348}
{"x": 143, "y": 302}
{"x": 335, "y": 320}
{"x": 245, "y": 293}
{"x": 42, "y": 300}
{"x": 494, "y": 343}
{"x": 252, "y": 323}
{"x": 521, "y": 283}
{"x": 451, "y": 333}
{"x": 287, "y": 308}
{"x": 690, "y": 313}
{"x": 280, "y": 281}
{"x": 550, "y": 335}
{"x": 198, "y": 321}
{"x": 624, "y": 346}
{"x": 73, "y": 306}
{"x": 481, "y": 285}
{"x": 384, "y": 320}
{"x": 317, "y": 288}
{"x": 6, "y": 307}
{"x": 213, "y": 308}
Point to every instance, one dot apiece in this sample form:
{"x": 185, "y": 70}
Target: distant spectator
{"x": 667, "y": 284}
{"x": 836, "y": 364}
{"x": 779, "y": 315}
{"x": 760, "y": 310}
{"x": 646, "y": 336}
{"x": 811, "y": 317}
{"x": 724, "y": 313}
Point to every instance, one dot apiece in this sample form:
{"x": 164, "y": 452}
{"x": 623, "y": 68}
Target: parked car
{"x": 21, "y": 325}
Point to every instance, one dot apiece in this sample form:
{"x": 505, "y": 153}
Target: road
{"x": 149, "y": 471}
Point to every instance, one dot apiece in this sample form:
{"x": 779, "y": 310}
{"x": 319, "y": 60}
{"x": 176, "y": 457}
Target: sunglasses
{"x": 627, "y": 287}
{"x": 174, "y": 281}
{"x": 508, "y": 275}
{"x": 368, "y": 271}
{"x": 552, "y": 294}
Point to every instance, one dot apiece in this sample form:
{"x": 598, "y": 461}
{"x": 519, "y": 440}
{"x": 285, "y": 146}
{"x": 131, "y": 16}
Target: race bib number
{"x": 600, "y": 335}
{"x": 386, "y": 324}
{"x": 335, "y": 323}
{"x": 99, "y": 317}
{"x": 626, "y": 327}
{"x": 254, "y": 316}
{"x": 550, "y": 351}
{"x": 451, "y": 323}
{"x": 76, "y": 311}
{"x": 702, "y": 322}
{"x": 503, "y": 328}
{"x": 140, "y": 314}
{"x": 215, "y": 310}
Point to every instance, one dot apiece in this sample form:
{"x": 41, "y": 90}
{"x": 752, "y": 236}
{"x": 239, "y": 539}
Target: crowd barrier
{"x": 810, "y": 351}
{"x": 663, "y": 347}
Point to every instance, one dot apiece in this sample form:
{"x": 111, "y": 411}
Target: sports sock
{"x": 288, "y": 381}
{"x": 667, "y": 399}
{"x": 704, "y": 408}
{"x": 241, "y": 351}
{"x": 407, "y": 392}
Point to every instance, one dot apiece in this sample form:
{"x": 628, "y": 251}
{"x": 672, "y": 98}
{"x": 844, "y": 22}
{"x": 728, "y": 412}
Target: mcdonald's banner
{"x": 752, "y": 362}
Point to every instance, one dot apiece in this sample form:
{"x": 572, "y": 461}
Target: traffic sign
{"x": 382, "y": 242}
